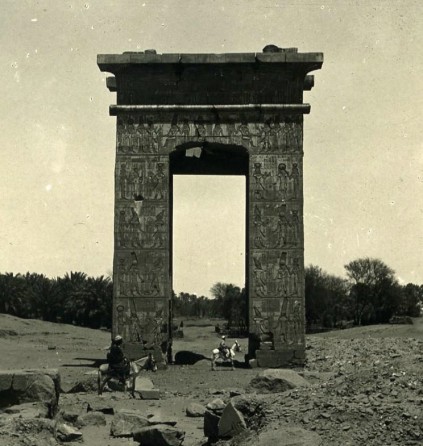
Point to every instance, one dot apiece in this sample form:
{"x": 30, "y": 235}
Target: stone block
{"x": 91, "y": 419}
{"x": 67, "y": 433}
{"x": 216, "y": 405}
{"x": 100, "y": 407}
{"x": 231, "y": 422}
{"x": 5, "y": 381}
{"x": 143, "y": 383}
{"x": 159, "y": 419}
{"x": 149, "y": 394}
{"x": 159, "y": 435}
{"x": 125, "y": 422}
{"x": 195, "y": 410}
{"x": 274, "y": 358}
{"x": 253, "y": 363}
{"x": 211, "y": 425}
{"x": 26, "y": 386}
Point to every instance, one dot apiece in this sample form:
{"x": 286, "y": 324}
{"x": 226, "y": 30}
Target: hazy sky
{"x": 363, "y": 174}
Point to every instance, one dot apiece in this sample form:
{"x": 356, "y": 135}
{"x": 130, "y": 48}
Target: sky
{"x": 363, "y": 157}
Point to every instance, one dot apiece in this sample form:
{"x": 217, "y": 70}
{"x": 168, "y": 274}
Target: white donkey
{"x": 106, "y": 373}
{"x": 217, "y": 354}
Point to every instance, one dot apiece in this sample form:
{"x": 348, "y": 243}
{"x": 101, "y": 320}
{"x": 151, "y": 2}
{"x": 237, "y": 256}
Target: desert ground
{"x": 366, "y": 383}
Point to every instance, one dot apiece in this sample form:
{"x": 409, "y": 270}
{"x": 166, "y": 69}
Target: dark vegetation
{"x": 73, "y": 299}
{"x": 370, "y": 294}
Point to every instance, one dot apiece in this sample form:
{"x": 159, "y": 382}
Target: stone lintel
{"x": 308, "y": 83}
{"x": 115, "y": 62}
{"x": 288, "y": 108}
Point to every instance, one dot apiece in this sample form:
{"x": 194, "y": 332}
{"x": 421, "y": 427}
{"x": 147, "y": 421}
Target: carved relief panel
{"x": 144, "y": 135}
{"x": 141, "y": 320}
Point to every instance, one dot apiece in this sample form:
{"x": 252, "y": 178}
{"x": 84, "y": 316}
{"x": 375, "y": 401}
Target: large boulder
{"x": 125, "y": 422}
{"x": 231, "y": 422}
{"x": 159, "y": 435}
{"x": 211, "y": 425}
{"x": 87, "y": 383}
{"x": 277, "y": 380}
{"x": 26, "y": 386}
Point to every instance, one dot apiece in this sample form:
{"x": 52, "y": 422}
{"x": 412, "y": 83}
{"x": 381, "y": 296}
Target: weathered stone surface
{"x": 91, "y": 419}
{"x": 231, "y": 422}
{"x": 67, "y": 433}
{"x": 125, "y": 422}
{"x": 159, "y": 435}
{"x": 143, "y": 383}
{"x": 274, "y": 358}
{"x": 149, "y": 394}
{"x": 87, "y": 383}
{"x": 30, "y": 386}
{"x": 216, "y": 405}
{"x": 160, "y": 419}
{"x": 100, "y": 407}
{"x": 70, "y": 415}
{"x": 287, "y": 436}
{"x": 277, "y": 380}
{"x": 195, "y": 410}
{"x": 211, "y": 425}
{"x": 29, "y": 410}
{"x": 253, "y": 104}
{"x": 246, "y": 405}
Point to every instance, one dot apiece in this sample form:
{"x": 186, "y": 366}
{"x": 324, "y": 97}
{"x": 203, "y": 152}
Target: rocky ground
{"x": 365, "y": 386}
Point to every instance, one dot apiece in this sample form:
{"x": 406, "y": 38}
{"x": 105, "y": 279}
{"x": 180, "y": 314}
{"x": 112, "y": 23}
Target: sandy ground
{"x": 77, "y": 351}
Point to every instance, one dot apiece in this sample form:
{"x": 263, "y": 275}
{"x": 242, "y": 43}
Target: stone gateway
{"x": 214, "y": 114}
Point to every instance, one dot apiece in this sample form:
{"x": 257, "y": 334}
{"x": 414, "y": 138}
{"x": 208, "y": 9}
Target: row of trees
{"x": 369, "y": 294}
{"x": 229, "y": 302}
{"x": 72, "y": 299}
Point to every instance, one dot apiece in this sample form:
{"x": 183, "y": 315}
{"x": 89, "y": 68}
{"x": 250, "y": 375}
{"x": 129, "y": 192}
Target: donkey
{"x": 217, "y": 354}
{"x": 106, "y": 373}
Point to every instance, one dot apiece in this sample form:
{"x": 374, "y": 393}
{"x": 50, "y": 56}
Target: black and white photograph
{"x": 211, "y": 223}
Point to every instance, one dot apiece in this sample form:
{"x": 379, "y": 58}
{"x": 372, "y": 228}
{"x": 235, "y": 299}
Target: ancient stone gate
{"x": 239, "y": 114}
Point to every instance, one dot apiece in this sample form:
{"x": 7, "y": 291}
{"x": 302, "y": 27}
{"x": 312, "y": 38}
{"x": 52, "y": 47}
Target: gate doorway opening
{"x": 208, "y": 218}
{"x": 208, "y": 232}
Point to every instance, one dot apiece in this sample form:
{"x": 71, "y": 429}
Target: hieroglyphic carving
{"x": 137, "y": 136}
{"x": 275, "y": 178}
{"x": 144, "y": 178}
{"x": 276, "y": 274}
{"x": 141, "y": 225}
{"x": 141, "y": 273}
{"x": 141, "y": 320}
{"x": 281, "y": 320}
{"x": 275, "y": 225}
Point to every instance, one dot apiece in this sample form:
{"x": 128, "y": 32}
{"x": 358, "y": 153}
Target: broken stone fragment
{"x": 66, "y": 433}
{"x": 159, "y": 419}
{"x": 231, "y": 422}
{"x": 195, "y": 410}
{"x": 91, "y": 419}
{"x": 159, "y": 435}
{"x": 277, "y": 380}
{"x": 125, "y": 422}
{"x": 211, "y": 425}
{"x": 216, "y": 405}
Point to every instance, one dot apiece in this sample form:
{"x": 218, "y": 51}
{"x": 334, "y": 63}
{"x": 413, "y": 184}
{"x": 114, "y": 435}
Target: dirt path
{"x": 364, "y": 391}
